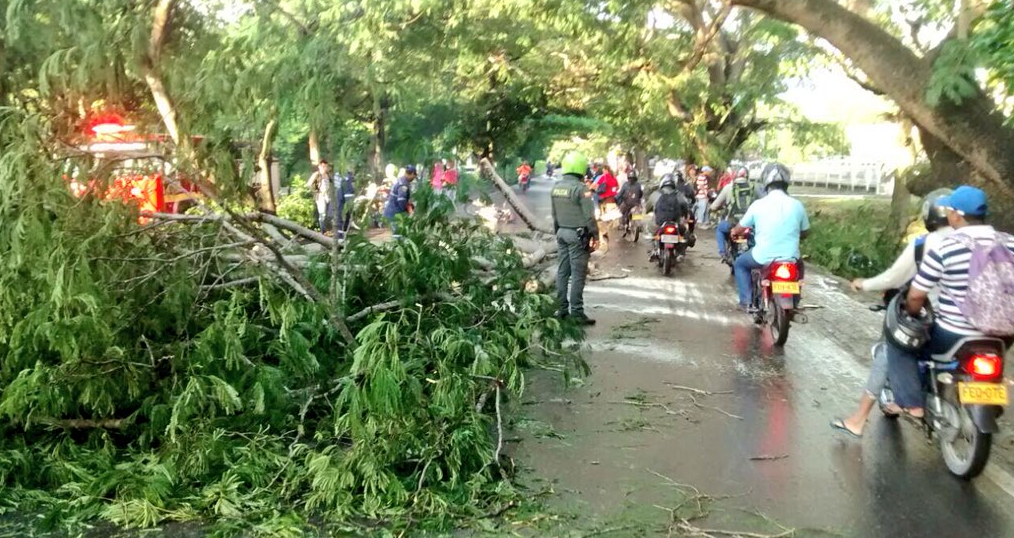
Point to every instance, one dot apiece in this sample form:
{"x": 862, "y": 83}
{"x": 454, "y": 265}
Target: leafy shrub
{"x": 851, "y": 239}
{"x": 298, "y": 205}
{"x": 132, "y": 392}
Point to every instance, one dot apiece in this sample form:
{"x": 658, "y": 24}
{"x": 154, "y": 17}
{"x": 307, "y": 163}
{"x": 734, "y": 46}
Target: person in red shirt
{"x": 607, "y": 186}
{"x": 451, "y": 180}
{"x": 703, "y": 186}
{"x": 524, "y": 170}
{"x": 727, "y": 178}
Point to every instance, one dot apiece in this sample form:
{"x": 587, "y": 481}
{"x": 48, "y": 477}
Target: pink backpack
{"x": 989, "y": 302}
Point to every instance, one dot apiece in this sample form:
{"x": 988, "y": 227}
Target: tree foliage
{"x": 176, "y": 370}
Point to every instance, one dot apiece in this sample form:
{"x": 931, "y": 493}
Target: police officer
{"x": 576, "y": 235}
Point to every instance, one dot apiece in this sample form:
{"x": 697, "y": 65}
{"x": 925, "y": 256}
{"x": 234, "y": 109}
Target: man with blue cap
{"x": 945, "y": 267}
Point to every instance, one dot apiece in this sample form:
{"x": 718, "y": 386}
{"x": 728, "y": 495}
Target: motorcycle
{"x": 776, "y": 290}
{"x": 632, "y": 223}
{"x": 965, "y": 393}
{"x": 524, "y": 182}
{"x": 671, "y": 244}
{"x": 734, "y": 246}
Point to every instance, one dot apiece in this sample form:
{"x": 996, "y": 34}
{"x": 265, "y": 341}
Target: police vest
{"x": 566, "y": 199}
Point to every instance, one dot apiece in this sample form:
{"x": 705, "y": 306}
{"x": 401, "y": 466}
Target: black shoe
{"x": 582, "y": 319}
{"x": 562, "y": 314}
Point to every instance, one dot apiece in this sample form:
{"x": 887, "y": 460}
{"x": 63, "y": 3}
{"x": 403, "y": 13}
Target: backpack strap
{"x": 920, "y": 249}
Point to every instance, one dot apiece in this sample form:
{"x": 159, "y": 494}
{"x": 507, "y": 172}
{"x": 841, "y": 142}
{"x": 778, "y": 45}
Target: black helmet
{"x": 933, "y": 214}
{"x": 775, "y": 173}
{"x": 904, "y": 331}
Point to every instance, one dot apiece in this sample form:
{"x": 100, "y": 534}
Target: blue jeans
{"x": 903, "y": 366}
{"x": 702, "y": 211}
{"x": 721, "y": 231}
{"x": 744, "y": 266}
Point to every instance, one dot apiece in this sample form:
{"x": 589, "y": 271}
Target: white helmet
{"x": 773, "y": 173}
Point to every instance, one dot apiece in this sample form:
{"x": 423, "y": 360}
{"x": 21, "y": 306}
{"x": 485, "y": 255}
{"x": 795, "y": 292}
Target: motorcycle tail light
{"x": 785, "y": 271}
{"x": 669, "y": 229}
{"x": 984, "y": 366}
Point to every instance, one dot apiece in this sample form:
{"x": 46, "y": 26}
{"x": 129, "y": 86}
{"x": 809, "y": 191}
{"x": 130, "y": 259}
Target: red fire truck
{"x": 143, "y": 171}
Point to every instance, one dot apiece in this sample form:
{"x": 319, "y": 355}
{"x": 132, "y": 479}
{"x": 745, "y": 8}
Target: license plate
{"x": 669, "y": 239}
{"x": 791, "y": 288}
{"x": 740, "y": 241}
{"x": 637, "y": 217}
{"x": 982, "y": 393}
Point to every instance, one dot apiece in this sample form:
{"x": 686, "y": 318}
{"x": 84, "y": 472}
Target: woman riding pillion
{"x": 904, "y": 269}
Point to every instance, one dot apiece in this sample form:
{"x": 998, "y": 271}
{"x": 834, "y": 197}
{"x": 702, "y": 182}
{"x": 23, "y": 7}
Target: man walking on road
{"x": 576, "y": 236}
{"x": 321, "y": 187}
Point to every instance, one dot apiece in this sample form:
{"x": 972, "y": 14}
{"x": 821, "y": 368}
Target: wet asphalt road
{"x": 764, "y": 440}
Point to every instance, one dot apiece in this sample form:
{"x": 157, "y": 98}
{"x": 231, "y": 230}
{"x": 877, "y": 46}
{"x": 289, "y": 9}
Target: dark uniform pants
{"x": 573, "y": 270}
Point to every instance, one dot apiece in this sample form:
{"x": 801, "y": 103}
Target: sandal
{"x": 839, "y": 425}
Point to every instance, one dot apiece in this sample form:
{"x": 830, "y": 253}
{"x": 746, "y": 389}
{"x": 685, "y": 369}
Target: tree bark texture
{"x": 379, "y": 136}
{"x": 974, "y": 130}
{"x": 150, "y": 67}
{"x": 519, "y": 207}
{"x": 265, "y": 190}
{"x": 314, "y": 144}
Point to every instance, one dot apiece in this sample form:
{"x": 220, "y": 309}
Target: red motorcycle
{"x": 523, "y": 182}
{"x": 671, "y": 243}
{"x": 776, "y": 292}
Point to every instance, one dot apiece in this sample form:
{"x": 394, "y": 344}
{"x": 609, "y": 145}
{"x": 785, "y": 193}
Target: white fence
{"x": 845, "y": 175}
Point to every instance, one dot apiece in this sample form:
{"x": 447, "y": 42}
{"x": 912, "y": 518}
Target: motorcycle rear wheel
{"x": 966, "y": 455}
{"x": 637, "y": 232}
{"x": 778, "y": 320}
{"x": 666, "y": 261}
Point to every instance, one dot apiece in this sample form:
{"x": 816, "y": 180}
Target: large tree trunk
{"x": 641, "y": 163}
{"x": 314, "y": 144}
{"x": 974, "y": 129}
{"x": 900, "y": 198}
{"x": 379, "y": 137}
{"x": 265, "y": 188}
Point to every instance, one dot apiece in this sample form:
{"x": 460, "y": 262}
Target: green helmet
{"x": 575, "y": 163}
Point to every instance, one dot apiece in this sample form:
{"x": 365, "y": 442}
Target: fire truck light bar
{"x": 102, "y": 147}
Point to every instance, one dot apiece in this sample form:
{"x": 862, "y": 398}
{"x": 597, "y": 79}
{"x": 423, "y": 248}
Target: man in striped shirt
{"x": 945, "y": 267}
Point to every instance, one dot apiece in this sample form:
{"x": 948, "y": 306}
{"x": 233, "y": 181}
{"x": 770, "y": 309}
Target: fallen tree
{"x": 190, "y": 368}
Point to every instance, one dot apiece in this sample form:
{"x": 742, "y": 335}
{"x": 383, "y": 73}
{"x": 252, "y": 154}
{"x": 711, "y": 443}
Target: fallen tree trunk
{"x": 526, "y": 215}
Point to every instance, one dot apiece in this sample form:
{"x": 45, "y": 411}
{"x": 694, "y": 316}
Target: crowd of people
{"x": 334, "y": 193}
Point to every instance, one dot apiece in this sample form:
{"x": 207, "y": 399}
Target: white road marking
{"x": 662, "y": 297}
{"x": 652, "y": 351}
{"x": 1001, "y": 478}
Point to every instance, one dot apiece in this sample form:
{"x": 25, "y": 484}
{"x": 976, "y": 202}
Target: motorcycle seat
{"x": 982, "y": 341}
